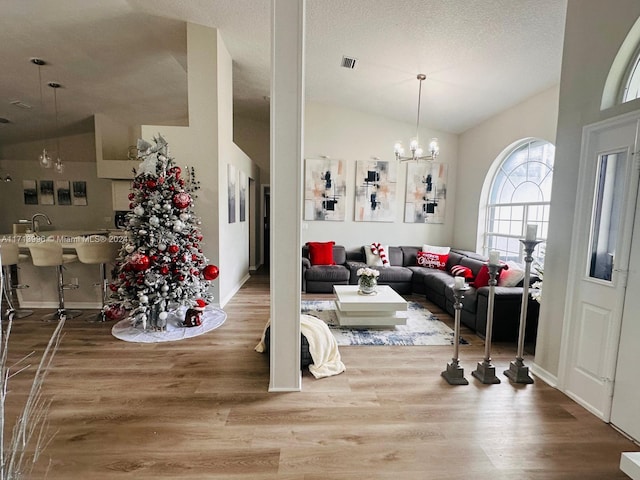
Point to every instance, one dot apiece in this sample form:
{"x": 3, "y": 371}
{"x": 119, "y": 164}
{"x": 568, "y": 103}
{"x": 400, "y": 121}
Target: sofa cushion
{"x": 321, "y": 253}
{"x": 327, "y": 273}
{"x": 461, "y": 271}
{"x": 431, "y": 260}
{"x": 453, "y": 259}
{"x": 437, "y": 281}
{"x": 482, "y": 279}
{"x": 373, "y": 259}
{"x": 409, "y": 255}
{"x": 395, "y": 256}
{"x": 512, "y": 276}
{"x": 394, "y": 275}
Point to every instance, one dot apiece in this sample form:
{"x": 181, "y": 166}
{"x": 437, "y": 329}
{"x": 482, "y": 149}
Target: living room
{"x": 556, "y": 114}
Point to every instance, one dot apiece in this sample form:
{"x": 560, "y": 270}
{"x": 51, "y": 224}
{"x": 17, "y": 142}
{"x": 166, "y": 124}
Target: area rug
{"x": 212, "y": 318}
{"x": 422, "y": 327}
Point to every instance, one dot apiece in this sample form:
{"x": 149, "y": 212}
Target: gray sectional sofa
{"x": 406, "y": 277}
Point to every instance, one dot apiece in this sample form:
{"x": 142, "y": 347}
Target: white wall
{"x": 481, "y": 145}
{"x": 594, "y": 32}
{"x": 352, "y": 135}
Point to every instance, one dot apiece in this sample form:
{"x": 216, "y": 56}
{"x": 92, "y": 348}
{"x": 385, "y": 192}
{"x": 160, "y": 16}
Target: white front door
{"x": 625, "y": 410}
{"x": 607, "y": 187}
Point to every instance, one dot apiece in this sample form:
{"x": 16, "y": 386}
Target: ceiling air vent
{"x": 4, "y": 120}
{"x": 348, "y": 62}
{"x": 19, "y": 104}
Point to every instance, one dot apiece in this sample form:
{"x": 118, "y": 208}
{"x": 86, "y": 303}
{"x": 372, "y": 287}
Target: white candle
{"x": 532, "y": 231}
{"x": 459, "y": 282}
{"x": 494, "y": 257}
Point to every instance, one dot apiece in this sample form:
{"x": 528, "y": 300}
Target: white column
{"x": 287, "y": 113}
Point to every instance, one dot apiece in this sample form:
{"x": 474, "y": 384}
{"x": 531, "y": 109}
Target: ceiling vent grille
{"x": 19, "y": 104}
{"x": 348, "y": 62}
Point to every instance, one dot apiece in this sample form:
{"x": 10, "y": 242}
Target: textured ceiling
{"x": 127, "y": 59}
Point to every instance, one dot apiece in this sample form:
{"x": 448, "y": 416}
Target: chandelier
{"x": 417, "y": 152}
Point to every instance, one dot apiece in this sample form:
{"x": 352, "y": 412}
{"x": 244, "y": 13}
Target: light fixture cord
{"x": 418, "y": 117}
{"x": 44, "y": 144}
{"x": 55, "y": 106}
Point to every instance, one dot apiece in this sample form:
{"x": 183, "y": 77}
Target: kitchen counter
{"x": 42, "y": 281}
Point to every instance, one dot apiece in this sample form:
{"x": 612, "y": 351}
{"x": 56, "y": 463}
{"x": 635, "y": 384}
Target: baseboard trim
{"x": 74, "y": 305}
{"x": 544, "y": 375}
{"x": 630, "y": 464}
{"x": 226, "y": 299}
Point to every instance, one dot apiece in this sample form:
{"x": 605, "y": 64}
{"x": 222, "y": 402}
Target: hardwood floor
{"x": 199, "y": 409}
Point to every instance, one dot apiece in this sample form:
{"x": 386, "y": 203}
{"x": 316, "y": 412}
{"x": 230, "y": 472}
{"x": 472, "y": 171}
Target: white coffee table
{"x": 384, "y": 309}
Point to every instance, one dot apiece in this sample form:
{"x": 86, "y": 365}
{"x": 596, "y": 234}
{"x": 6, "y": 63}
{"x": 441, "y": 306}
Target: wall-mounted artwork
{"x": 426, "y": 192}
{"x": 79, "y": 193}
{"x": 242, "y": 196}
{"x": 325, "y": 187}
{"x": 46, "y": 192}
{"x": 63, "y": 191}
{"x": 231, "y": 192}
{"x": 375, "y": 191}
{"x": 30, "y": 192}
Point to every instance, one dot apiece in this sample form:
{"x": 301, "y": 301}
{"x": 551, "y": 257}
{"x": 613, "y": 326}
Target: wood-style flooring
{"x": 199, "y": 409}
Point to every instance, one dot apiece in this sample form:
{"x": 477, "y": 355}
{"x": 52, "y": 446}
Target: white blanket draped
{"x": 322, "y": 347}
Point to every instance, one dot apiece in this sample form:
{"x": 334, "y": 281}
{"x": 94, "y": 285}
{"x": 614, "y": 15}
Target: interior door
{"x": 599, "y": 264}
{"x": 626, "y": 393}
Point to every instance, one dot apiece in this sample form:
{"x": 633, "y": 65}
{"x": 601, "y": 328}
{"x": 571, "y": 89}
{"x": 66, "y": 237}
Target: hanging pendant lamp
{"x": 43, "y": 159}
{"x": 417, "y": 152}
{"x": 58, "y": 165}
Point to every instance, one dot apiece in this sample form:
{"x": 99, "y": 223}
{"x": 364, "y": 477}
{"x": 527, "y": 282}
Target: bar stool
{"x": 97, "y": 250}
{"x": 10, "y": 255}
{"x": 49, "y": 254}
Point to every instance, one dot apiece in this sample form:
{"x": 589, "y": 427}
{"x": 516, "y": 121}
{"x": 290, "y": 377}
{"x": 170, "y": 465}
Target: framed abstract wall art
{"x": 375, "y": 191}
{"x": 325, "y": 187}
{"x": 426, "y": 197}
{"x": 232, "y": 180}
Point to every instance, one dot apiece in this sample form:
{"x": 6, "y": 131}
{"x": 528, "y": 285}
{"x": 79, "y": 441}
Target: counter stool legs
{"x": 9, "y": 294}
{"x": 104, "y": 283}
{"x": 62, "y": 312}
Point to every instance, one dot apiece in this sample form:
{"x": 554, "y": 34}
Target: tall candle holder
{"x": 486, "y": 372}
{"x": 518, "y": 372}
{"x": 454, "y": 374}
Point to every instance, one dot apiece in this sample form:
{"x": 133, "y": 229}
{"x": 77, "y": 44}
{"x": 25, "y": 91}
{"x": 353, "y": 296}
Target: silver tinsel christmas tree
{"x": 161, "y": 265}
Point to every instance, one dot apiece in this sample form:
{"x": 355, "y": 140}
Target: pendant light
{"x": 417, "y": 152}
{"x": 58, "y": 166}
{"x": 44, "y": 159}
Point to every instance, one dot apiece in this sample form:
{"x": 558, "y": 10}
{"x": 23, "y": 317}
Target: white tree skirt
{"x": 212, "y": 318}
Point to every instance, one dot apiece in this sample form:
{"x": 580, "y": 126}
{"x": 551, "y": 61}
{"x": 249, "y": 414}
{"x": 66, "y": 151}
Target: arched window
{"x": 631, "y": 83}
{"x": 520, "y": 195}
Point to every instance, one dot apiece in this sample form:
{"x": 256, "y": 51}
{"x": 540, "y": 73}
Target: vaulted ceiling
{"x": 127, "y": 58}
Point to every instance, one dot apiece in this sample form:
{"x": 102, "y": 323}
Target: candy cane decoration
{"x": 378, "y": 249}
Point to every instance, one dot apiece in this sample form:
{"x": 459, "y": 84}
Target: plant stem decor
{"x": 20, "y": 451}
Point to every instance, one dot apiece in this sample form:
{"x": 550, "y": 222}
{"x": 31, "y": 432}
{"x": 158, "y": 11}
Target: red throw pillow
{"x": 432, "y": 260}
{"x": 321, "y": 253}
{"x": 482, "y": 279}
{"x": 461, "y": 271}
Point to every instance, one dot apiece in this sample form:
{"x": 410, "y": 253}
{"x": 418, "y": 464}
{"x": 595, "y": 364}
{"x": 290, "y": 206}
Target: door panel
{"x": 600, "y": 255}
{"x": 625, "y": 410}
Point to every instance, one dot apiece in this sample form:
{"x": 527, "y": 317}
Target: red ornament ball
{"x": 115, "y": 312}
{"x": 161, "y": 180}
{"x": 173, "y": 249}
{"x": 182, "y": 200}
{"x": 164, "y": 270}
{"x": 176, "y": 171}
{"x": 113, "y": 287}
{"x": 210, "y": 272}
{"x": 151, "y": 184}
{"x": 140, "y": 262}
{"x": 131, "y": 196}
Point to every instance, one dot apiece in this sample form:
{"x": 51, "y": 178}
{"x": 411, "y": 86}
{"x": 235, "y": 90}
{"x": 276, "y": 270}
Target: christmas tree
{"x": 160, "y": 265}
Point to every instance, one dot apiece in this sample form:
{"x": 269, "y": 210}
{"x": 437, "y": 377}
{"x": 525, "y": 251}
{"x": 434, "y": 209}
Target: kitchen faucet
{"x": 34, "y": 224}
